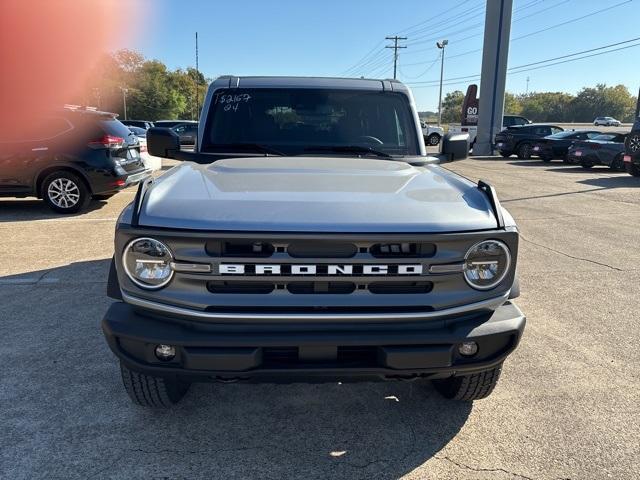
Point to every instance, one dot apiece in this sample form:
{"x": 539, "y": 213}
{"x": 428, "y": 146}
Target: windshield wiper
{"x": 348, "y": 149}
{"x": 256, "y": 147}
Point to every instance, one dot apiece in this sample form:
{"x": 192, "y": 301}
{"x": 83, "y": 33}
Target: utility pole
{"x": 527, "y": 90}
{"x": 395, "y": 52}
{"x": 197, "y": 82}
{"x": 441, "y": 46}
{"x": 124, "y": 100}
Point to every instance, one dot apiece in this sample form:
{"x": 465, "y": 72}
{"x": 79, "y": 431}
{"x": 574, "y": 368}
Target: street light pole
{"x": 124, "y": 100}
{"x": 441, "y": 46}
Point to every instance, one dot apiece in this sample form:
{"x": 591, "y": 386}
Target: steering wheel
{"x": 371, "y": 140}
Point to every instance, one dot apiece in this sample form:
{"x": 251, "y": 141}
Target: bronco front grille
{"x": 320, "y": 273}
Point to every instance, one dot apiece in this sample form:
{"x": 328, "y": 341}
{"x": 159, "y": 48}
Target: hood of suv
{"x": 315, "y": 194}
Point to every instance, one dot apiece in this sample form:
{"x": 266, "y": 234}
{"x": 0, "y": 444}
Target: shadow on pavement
{"x": 24, "y": 210}
{"x": 63, "y": 402}
{"x": 627, "y": 181}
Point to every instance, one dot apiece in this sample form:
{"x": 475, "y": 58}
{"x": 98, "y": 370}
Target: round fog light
{"x": 468, "y": 349}
{"x": 165, "y": 352}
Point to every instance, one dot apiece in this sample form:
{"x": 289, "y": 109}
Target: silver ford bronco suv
{"x": 309, "y": 237}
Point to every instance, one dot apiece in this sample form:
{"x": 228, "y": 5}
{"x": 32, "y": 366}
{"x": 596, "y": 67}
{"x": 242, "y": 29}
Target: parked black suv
{"x": 632, "y": 149}
{"x": 71, "y": 155}
{"x": 520, "y": 139}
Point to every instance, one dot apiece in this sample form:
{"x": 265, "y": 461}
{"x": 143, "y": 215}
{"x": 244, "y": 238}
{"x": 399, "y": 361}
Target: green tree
{"x": 152, "y": 95}
{"x": 192, "y": 85}
{"x": 547, "y": 106}
{"x": 452, "y": 107}
{"x": 512, "y": 105}
{"x": 602, "y": 100}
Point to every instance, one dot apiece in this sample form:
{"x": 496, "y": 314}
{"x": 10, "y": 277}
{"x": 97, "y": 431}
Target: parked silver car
{"x": 607, "y": 122}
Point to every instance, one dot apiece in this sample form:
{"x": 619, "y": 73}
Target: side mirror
{"x": 455, "y": 146}
{"x": 162, "y": 142}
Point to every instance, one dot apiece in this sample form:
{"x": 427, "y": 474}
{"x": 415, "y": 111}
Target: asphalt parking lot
{"x": 567, "y": 405}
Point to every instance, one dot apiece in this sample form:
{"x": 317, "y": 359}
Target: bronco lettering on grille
{"x": 320, "y": 269}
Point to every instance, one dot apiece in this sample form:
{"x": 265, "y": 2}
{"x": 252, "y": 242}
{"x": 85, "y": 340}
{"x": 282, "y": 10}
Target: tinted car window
{"x": 111, "y": 126}
{"x": 290, "y": 120}
{"x": 543, "y": 131}
{"x": 555, "y": 129}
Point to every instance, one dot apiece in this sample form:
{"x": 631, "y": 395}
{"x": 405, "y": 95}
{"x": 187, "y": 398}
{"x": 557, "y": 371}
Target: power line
{"x": 468, "y": 52}
{"x": 406, "y": 30}
{"x": 520, "y": 68}
{"x": 355, "y": 65}
{"x": 423, "y": 73}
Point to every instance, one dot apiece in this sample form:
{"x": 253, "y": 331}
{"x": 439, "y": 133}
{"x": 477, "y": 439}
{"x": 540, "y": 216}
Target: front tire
{"x": 586, "y": 164}
{"x": 150, "y": 391}
{"x": 632, "y": 169}
{"x": 505, "y": 154}
{"x": 65, "y": 192}
{"x": 524, "y": 151}
{"x": 469, "y": 387}
{"x": 433, "y": 139}
{"x": 617, "y": 164}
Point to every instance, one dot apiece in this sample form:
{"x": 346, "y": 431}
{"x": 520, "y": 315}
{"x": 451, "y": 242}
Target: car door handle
{"x": 40, "y": 149}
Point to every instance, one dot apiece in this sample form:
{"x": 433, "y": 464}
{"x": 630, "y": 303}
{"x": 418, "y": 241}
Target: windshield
{"x": 294, "y": 121}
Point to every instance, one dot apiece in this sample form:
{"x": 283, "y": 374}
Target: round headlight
{"x": 486, "y": 264}
{"x": 147, "y": 263}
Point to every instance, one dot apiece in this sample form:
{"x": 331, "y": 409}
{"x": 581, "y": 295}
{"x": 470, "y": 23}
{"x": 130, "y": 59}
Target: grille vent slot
{"x": 400, "y": 287}
{"x": 311, "y": 249}
{"x": 321, "y": 287}
{"x": 239, "y": 248}
{"x": 240, "y": 287}
{"x": 403, "y": 250}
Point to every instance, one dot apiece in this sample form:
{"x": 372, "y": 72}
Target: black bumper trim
{"x": 207, "y": 354}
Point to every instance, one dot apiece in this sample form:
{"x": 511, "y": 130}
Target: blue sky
{"x": 325, "y": 38}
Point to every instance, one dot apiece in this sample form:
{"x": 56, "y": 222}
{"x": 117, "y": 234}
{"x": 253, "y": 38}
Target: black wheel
{"x": 524, "y": 151}
{"x": 469, "y": 387}
{"x": 586, "y": 164}
{"x": 65, "y": 192}
{"x": 617, "y": 164}
{"x": 632, "y": 143}
{"x": 632, "y": 169}
{"x": 433, "y": 139}
{"x": 149, "y": 391}
{"x": 505, "y": 154}
{"x": 105, "y": 196}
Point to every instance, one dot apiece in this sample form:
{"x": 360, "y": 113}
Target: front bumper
{"x": 309, "y": 352}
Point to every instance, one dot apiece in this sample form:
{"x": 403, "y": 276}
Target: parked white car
{"x": 152, "y": 163}
{"x": 432, "y": 135}
{"x": 607, "y": 122}
{"x": 472, "y": 130}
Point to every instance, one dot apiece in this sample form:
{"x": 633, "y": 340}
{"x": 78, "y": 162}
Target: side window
{"x": 519, "y": 121}
{"x": 592, "y": 134}
{"x": 542, "y": 131}
{"x": 507, "y": 121}
{"x": 555, "y": 129}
